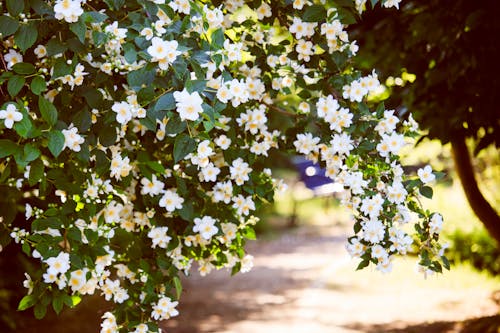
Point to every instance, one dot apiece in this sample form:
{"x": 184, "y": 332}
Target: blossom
{"x": 164, "y": 309}
{"x": 164, "y": 52}
{"x": 205, "y": 226}
{"x": 425, "y": 174}
{"x": 436, "y": 223}
{"x": 123, "y": 112}
{"x": 11, "y": 115}
{"x": 159, "y": 237}
{"x": 373, "y": 231}
{"x": 12, "y": 58}
{"x": 188, "y": 105}
{"x": 306, "y": 143}
{"x": 152, "y": 187}
{"x": 171, "y": 201}
{"x": 59, "y": 264}
{"x": 69, "y": 10}
{"x": 239, "y": 171}
{"x": 72, "y": 139}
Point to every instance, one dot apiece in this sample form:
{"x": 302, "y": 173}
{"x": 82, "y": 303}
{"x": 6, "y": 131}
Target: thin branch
{"x": 280, "y": 110}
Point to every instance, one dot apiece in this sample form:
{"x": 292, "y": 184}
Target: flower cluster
{"x": 140, "y": 134}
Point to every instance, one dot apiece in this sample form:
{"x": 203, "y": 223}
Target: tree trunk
{"x": 477, "y": 201}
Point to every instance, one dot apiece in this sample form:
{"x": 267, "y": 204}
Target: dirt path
{"x": 305, "y": 282}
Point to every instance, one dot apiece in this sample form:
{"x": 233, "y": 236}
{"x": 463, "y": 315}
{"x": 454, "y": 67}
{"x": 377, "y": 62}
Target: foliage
{"x": 447, "y": 60}
{"x": 475, "y": 247}
{"x": 135, "y": 138}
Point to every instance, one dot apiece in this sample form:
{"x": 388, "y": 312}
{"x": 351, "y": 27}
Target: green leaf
{"x": 31, "y": 152}
{"x": 364, "y": 263}
{"x": 314, "y": 13}
{"x": 40, "y": 310}
{"x": 55, "y": 46}
{"x": 7, "y": 148}
{"x": 426, "y": 191}
{"x": 61, "y": 68}
{"x": 38, "y": 85}
{"x": 178, "y": 287}
{"x": 36, "y": 172}
{"x": 56, "y": 142}
{"x": 27, "y": 302}
{"x": 15, "y": 85}
{"x": 8, "y": 25}
{"x": 165, "y": 102}
{"x": 24, "y": 126}
{"x": 24, "y": 68}
{"x": 183, "y": 145}
{"x": 48, "y": 111}
{"x": 79, "y": 29}
{"x": 58, "y": 303}
{"x": 175, "y": 125}
{"x": 107, "y": 136}
{"x": 26, "y": 36}
{"x": 15, "y": 7}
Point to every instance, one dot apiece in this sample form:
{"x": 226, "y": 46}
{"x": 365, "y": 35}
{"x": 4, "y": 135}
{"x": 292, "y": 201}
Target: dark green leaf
{"x": 48, "y": 111}
{"x": 7, "y": 148}
{"x": 24, "y": 68}
{"x": 36, "y": 172}
{"x": 31, "y": 152}
{"x": 24, "y": 126}
{"x": 40, "y": 310}
{"x": 58, "y": 303}
{"x": 314, "y": 13}
{"x": 8, "y": 25}
{"x": 15, "y": 85}
{"x": 426, "y": 191}
{"x": 56, "y": 142}
{"x": 107, "y": 137}
{"x": 183, "y": 145}
{"x": 79, "y": 28}
{"x": 165, "y": 102}
{"x": 38, "y": 85}
{"x": 26, "y": 36}
{"x": 55, "y": 46}
{"x": 364, "y": 263}
{"x": 15, "y": 7}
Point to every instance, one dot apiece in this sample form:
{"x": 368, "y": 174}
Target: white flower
{"x": 373, "y": 231}
{"x": 246, "y": 263}
{"x": 164, "y": 52}
{"x": 72, "y": 139}
{"x": 436, "y": 223}
{"x": 11, "y": 115}
{"x": 171, "y": 201}
{"x": 239, "y": 171}
{"x": 152, "y": 187}
{"x": 391, "y": 3}
{"x": 188, "y": 105}
{"x": 69, "y": 10}
{"x": 123, "y": 112}
{"x": 12, "y": 58}
{"x": 40, "y": 51}
{"x": 205, "y": 227}
{"x": 159, "y": 237}
{"x": 59, "y": 264}
{"x": 164, "y": 309}
{"x": 425, "y": 174}
{"x": 223, "y": 142}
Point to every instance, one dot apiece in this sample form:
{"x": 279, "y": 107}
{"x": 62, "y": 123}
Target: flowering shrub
{"x": 136, "y": 134}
